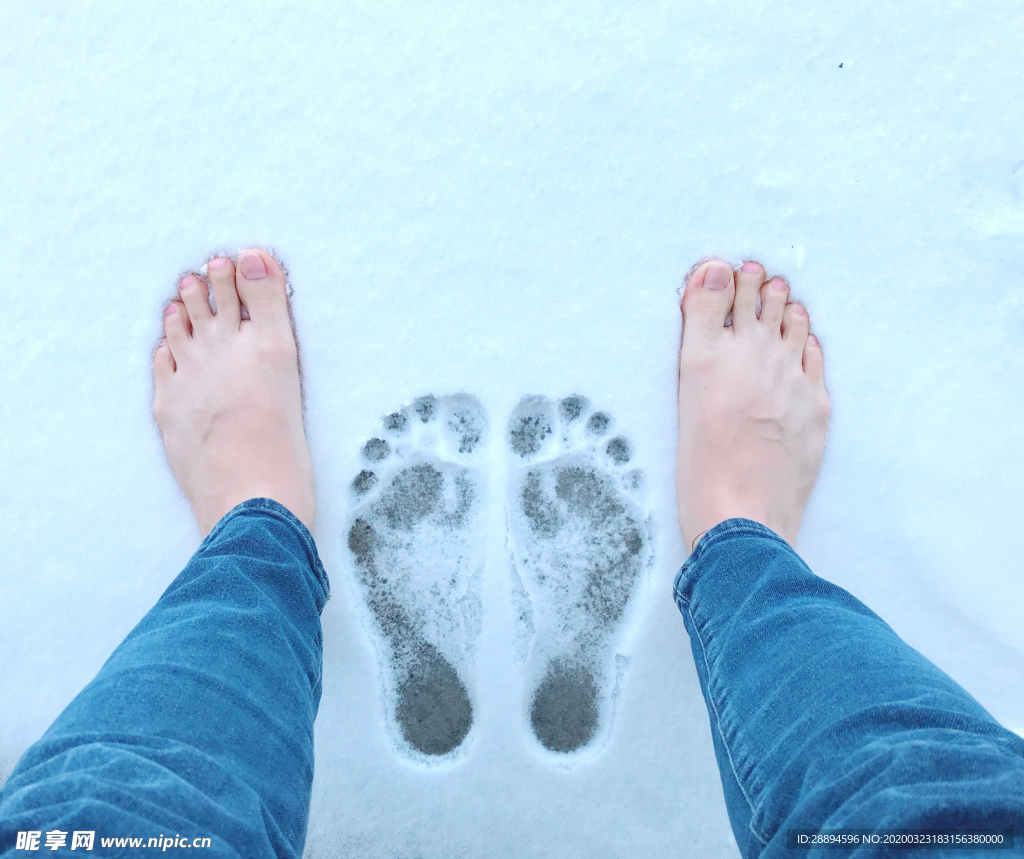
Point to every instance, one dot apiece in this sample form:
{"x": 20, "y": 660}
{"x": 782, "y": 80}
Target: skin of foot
{"x": 753, "y": 411}
{"x": 227, "y": 395}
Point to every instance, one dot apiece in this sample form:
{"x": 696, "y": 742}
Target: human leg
{"x": 821, "y": 715}
{"x": 201, "y": 721}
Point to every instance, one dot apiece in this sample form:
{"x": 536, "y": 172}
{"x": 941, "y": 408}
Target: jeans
{"x": 201, "y": 722}
{"x": 822, "y": 717}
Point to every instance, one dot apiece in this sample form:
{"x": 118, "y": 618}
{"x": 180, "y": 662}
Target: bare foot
{"x": 228, "y": 402}
{"x": 753, "y": 412}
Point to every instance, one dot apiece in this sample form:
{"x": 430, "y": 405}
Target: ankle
{"x": 785, "y": 526}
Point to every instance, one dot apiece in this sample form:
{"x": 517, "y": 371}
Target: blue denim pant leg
{"x": 201, "y": 722}
{"x": 822, "y": 717}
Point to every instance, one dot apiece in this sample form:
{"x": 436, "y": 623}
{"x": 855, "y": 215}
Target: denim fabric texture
{"x": 201, "y": 721}
{"x": 822, "y": 717}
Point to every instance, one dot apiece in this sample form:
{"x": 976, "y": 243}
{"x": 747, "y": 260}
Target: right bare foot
{"x": 228, "y": 401}
{"x": 753, "y": 411}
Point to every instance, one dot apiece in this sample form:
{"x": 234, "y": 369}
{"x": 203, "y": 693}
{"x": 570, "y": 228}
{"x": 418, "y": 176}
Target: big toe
{"x": 708, "y": 299}
{"x": 261, "y": 286}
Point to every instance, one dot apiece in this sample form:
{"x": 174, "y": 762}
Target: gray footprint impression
{"x": 418, "y": 553}
{"x": 580, "y": 544}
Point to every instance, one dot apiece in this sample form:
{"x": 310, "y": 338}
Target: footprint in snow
{"x": 418, "y": 552}
{"x": 580, "y": 542}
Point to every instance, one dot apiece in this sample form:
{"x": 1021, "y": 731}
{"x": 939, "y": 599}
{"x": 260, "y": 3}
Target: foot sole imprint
{"x": 418, "y": 555}
{"x": 580, "y": 544}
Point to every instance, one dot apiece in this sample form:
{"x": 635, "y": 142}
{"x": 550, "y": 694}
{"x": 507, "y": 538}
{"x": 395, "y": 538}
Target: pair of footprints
{"x": 578, "y": 544}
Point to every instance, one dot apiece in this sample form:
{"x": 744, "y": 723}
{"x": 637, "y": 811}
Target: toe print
{"x": 618, "y": 449}
{"x": 417, "y": 546}
{"x": 598, "y": 424}
{"x": 580, "y": 544}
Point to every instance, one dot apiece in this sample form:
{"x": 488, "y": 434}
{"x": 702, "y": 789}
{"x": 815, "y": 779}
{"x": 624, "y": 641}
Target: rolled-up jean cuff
{"x": 267, "y": 507}
{"x": 686, "y": 578}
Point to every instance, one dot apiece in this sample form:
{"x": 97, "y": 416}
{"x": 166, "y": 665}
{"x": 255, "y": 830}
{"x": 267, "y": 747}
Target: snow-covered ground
{"x": 500, "y": 200}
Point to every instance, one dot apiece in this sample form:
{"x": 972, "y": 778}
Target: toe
{"x": 795, "y": 326}
{"x": 177, "y": 329}
{"x": 774, "y": 295}
{"x": 163, "y": 362}
{"x": 707, "y": 300}
{"x": 261, "y": 286}
{"x": 225, "y": 296}
{"x": 196, "y": 299}
{"x": 748, "y": 283}
{"x": 813, "y": 361}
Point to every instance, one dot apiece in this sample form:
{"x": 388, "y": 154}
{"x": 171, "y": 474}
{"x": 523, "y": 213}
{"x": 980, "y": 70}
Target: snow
{"x": 501, "y": 201}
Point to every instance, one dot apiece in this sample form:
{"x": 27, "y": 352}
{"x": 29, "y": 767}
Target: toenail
{"x": 252, "y": 266}
{"x": 812, "y": 339}
{"x": 778, "y": 283}
{"x": 750, "y": 266}
{"x": 187, "y": 280}
{"x": 717, "y": 277}
{"x": 216, "y": 263}
{"x": 798, "y": 310}
{"x": 170, "y": 309}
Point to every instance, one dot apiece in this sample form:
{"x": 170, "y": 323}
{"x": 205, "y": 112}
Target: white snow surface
{"x": 501, "y": 200}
